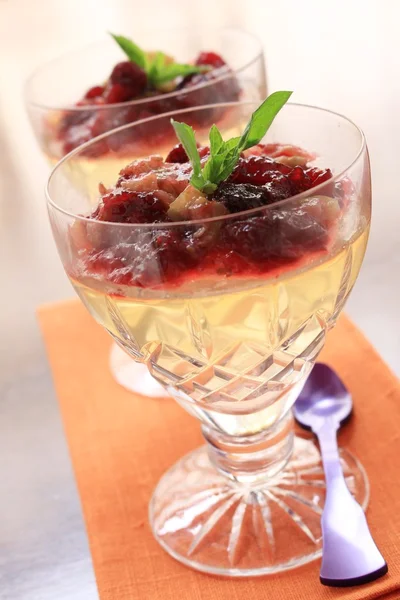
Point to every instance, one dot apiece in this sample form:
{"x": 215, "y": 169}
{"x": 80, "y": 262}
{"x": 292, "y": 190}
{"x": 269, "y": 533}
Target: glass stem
{"x": 252, "y": 458}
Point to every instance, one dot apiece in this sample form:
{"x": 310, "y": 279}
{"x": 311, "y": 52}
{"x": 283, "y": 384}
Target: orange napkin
{"x": 121, "y": 444}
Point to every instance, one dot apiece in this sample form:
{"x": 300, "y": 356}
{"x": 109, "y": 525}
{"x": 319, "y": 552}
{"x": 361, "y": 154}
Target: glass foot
{"x": 219, "y": 526}
{"x": 133, "y": 376}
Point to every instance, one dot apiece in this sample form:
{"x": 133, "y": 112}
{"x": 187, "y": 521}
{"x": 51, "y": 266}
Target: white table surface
{"x": 343, "y": 55}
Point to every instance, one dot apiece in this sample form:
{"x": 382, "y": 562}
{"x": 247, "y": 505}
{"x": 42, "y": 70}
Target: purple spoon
{"x": 349, "y": 555}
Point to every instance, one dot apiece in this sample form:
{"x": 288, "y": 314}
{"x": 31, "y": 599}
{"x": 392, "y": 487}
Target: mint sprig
{"x": 158, "y": 70}
{"x": 132, "y": 50}
{"x": 225, "y": 155}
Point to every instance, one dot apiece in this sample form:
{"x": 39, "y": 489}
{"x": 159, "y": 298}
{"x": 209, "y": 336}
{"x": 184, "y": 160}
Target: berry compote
{"x": 128, "y": 95}
{"x": 184, "y": 235}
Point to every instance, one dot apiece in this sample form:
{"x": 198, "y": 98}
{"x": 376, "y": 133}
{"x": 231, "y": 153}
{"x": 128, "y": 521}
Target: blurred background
{"x": 341, "y": 55}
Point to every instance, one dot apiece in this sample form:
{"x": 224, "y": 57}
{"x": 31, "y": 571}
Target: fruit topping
{"x": 212, "y": 59}
{"x": 242, "y": 196}
{"x": 177, "y": 155}
{"x": 148, "y": 77}
{"x": 129, "y": 79}
{"x": 192, "y": 204}
{"x": 187, "y": 195}
{"x": 126, "y": 206}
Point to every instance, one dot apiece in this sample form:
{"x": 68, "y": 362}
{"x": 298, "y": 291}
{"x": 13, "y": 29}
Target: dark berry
{"x": 211, "y": 59}
{"x": 275, "y": 236}
{"x": 130, "y": 76}
{"x": 126, "y": 206}
{"x": 242, "y": 196}
{"x": 253, "y": 238}
{"x": 177, "y": 155}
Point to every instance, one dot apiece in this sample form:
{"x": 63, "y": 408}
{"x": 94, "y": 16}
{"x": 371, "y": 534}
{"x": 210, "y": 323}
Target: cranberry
{"x": 94, "y": 92}
{"x": 275, "y": 236}
{"x": 204, "y": 151}
{"x": 283, "y": 181}
{"x": 212, "y": 59}
{"x": 299, "y": 180}
{"x": 130, "y": 76}
{"x": 242, "y": 196}
{"x": 257, "y": 170}
{"x": 117, "y": 93}
{"x": 163, "y": 258}
{"x": 318, "y": 176}
{"x": 253, "y": 238}
{"x": 304, "y": 179}
{"x": 126, "y": 206}
{"x": 177, "y": 155}
{"x": 278, "y": 188}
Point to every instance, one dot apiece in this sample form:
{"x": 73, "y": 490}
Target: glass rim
{"x": 246, "y": 213}
{"x": 138, "y": 102}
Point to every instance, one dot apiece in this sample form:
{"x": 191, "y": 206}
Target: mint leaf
{"x": 212, "y": 169}
{"x": 156, "y": 65}
{"x": 172, "y": 70}
{"x": 225, "y": 155}
{"x": 185, "y": 134}
{"x": 133, "y": 52}
{"x": 262, "y": 118}
{"x": 216, "y": 140}
{"x": 158, "y": 71}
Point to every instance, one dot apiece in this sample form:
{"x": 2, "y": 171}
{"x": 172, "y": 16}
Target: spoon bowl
{"x": 324, "y": 395}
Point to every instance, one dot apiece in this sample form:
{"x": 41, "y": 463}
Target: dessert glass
{"x": 52, "y": 91}
{"x": 233, "y": 350}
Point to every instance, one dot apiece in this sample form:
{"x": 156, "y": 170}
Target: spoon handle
{"x": 350, "y": 555}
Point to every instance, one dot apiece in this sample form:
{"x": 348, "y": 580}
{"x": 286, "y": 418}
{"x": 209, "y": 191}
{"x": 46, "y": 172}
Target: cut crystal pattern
{"x": 221, "y": 526}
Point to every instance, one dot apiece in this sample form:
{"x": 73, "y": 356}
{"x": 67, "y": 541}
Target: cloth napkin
{"x": 121, "y": 444}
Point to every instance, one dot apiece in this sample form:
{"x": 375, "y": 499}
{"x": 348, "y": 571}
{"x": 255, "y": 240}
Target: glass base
{"x": 133, "y": 376}
{"x": 222, "y": 527}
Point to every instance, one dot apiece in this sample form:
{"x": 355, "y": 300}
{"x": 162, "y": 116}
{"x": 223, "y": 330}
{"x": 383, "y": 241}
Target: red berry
{"x": 299, "y": 180}
{"x": 177, "y": 155}
{"x": 318, "y": 176}
{"x": 211, "y": 59}
{"x": 129, "y": 76}
{"x": 125, "y": 206}
{"x": 94, "y": 92}
{"x": 116, "y": 93}
{"x": 163, "y": 258}
{"x": 257, "y": 170}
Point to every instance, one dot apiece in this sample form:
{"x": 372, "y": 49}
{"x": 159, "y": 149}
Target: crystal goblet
{"x": 59, "y": 125}
{"x": 234, "y": 349}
